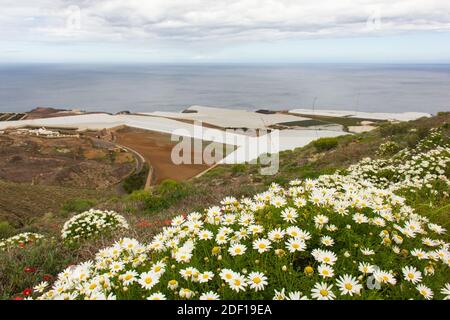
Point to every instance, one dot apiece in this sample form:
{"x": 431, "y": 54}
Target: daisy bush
{"x": 91, "y": 223}
{"x": 388, "y": 148}
{"x": 21, "y": 240}
{"x": 348, "y": 235}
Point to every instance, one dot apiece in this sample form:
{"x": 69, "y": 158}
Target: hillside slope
{"x": 288, "y": 240}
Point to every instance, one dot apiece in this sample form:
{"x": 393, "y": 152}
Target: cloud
{"x": 219, "y": 20}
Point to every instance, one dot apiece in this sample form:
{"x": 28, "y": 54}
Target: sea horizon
{"x": 147, "y": 87}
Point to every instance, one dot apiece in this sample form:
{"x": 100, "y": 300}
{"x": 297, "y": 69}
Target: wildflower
{"x": 279, "y": 295}
{"x": 412, "y": 274}
{"x": 29, "y": 270}
{"x": 420, "y": 254}
{"x": 278, "y": 202}
{"x": 237, "y": 250}
{"x": 348, "y": 285}
{"x": 41, "y": 286}
{"x": 367, "y": 252}
{"x": 157, "y": 296}
{"x": 384, "y": 277}
{"x": 327, "y": 241}
{"x": 320, "y": 220}
{"x": 309, "y": 270}
{"x": 276, "y": 235}
{"x": 289, "y": 215}
{"x": 295, "y": 244}
{"x": 446, "y": 291}
{"x": 322, "y": 291}
{"x": 296, "y": 295}
{"x": 205, "y": 235}
{"x": 172, "y": 284}
{"x": 227, "y": 275}
{"x": 257, "y": 281}
{"x": 325, "y": 271}
{"x": 425, "y": 291}
{"x": 324, "y": 256}
{"x": 205, "y": 276}
{"x": 261, "y": 245}
{"x": 129, "y": 277}
{"x": 366, "y": 268}
{"x": 210, "y": 295}
{"x": 238, "y": 283}
{"x": 185, "y": 293}
{"x": 147, "y": 280}
{"x": 26, "y": 292}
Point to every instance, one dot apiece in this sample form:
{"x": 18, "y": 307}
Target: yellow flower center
{"x": 257, "y": 280}
{"x": 324, "y": 292}
{"x": 348, "y": 286}
{"x": 148, "y": 280}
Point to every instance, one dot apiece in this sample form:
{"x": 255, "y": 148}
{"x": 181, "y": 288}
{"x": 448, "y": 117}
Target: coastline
{"x": 226, "y": 127}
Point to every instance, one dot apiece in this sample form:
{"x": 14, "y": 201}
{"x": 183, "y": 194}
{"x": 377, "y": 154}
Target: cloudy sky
{"x": 225, "y": 31}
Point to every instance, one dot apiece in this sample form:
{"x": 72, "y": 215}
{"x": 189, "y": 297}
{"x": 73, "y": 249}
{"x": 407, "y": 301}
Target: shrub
{"x": 391, "y": 129}
{"x": 139, "y": 195}
{"x": 21, "y": 240}
{"x": 238, "y": 168}
{"x": 92, "y": 223}
{"x": 388, "y": 148}
{"x": 167, "y": 193}
{"x": 78, "y": 205}
{"x": 5, "y": 229}
{"x": 325, "y": 144}
{"x": 136, "y": 181}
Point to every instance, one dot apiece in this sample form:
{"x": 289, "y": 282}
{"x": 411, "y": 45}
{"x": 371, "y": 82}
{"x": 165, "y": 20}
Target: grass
{"x": 136, "y": 181}
{"x": 24, "y": 204}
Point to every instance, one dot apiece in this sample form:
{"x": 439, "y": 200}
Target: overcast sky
{"x": 225, "y": 31}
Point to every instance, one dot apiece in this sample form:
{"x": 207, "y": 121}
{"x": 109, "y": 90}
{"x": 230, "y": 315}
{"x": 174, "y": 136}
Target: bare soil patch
{"x": 66, "y": 162}
{"x": 156, "y": 148}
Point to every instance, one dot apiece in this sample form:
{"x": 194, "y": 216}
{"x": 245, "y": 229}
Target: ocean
{"x": 113, "y": 88}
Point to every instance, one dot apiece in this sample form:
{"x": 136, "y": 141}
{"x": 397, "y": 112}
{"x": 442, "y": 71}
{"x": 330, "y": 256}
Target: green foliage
{"x": 166, "y": 194}
{"x": 391, "y": 129}
{"x": 136, "y": 181}
{"x": 77, "y": 205}
{"x": 6, "y": 229}
{"x": 238, "y": 169}
{"x": 139, "y": 195}
{"x": 47, "y": 258}
{"x": 325, "y": 144}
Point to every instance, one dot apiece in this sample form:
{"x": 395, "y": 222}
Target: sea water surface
{"x": 113, "y": 88}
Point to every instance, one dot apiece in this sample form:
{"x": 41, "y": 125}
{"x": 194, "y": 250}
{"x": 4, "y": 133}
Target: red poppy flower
{"x": 17, "y": 298}
{"x": 27, "y": 292}
{"x": 47, "y": 277}
{"x": 29, "y": 270}
{"x": 21, "y": 244}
